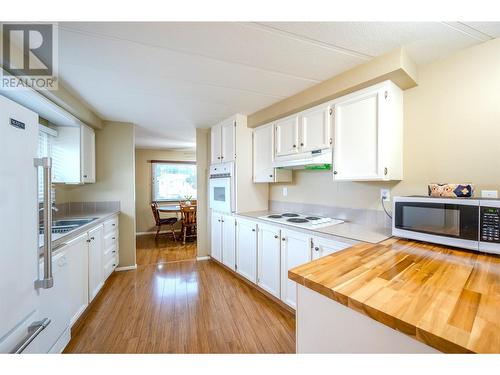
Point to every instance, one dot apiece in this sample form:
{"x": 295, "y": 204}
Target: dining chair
{"x": 188, "y": 221}
{"x": 171, "y": 221}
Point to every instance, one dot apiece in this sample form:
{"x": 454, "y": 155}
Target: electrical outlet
{"x": 285, "y": 191}
{"x": 489, "y": 193}
{"x": 385, "y": 195}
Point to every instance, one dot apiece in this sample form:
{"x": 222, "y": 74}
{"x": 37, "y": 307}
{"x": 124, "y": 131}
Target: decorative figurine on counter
{"x": 451, "y": 190}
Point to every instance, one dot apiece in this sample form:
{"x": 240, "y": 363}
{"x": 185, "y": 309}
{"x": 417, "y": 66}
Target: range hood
{"x": 317, "y": 159}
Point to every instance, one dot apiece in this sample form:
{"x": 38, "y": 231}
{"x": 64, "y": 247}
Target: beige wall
{"x": 115, "y": 168}
{"x": 451, "y": 134}
{"x": 395, "y": 66}
{"x": 202, "y": 163}
{"x": 143, "y": 178}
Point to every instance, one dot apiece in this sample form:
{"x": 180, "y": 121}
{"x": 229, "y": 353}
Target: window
{"x": 173, "y": 181}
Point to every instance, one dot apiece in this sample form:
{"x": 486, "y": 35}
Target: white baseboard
{"x": 126, "y": 268}
{"x": 203, "y": 258}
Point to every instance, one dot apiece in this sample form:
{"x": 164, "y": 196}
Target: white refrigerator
{"x": 34, "y": 287}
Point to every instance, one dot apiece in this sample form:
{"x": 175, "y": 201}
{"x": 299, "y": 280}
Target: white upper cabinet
{"x": 368, "y": 134}
{"x": 88, "y": 154}
{"x": 287, "y": 136}
{"x": 215, "y": 144}
{"x": 269, "y": 258}
{"x": 246, "y": 249}
{"x": 223, "y": 142}
{"x": 73, "y": 155}
{"x": 296, "y": 136}
{"x": 263, "y": 157}
{"x": 228, "y": 142}
{"x": 315, "y": 128}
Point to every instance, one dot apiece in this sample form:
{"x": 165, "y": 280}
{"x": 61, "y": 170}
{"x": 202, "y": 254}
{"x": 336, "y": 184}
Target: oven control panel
{"x": 490, "y": 224}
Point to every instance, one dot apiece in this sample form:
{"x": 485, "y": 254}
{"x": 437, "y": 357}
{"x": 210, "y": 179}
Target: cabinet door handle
{"x": 114, "y": 251}
{"x": 294, "y": 146}
{"x": 316, "y": 248}
{"x": 92, "y": 238}
{"x": 113, "y": 238}
{"x": 271, "y": 175}
{"x": 335, "y": 172}
{"x": 222, "y": 157}
{"x": 276, "y": 236}
{"x": 114, "y": 224}
{"x": 283, "y": 239}
{"x": 84, "y": 176}
{"x": 301, "y": 144}
{"x": 253, "y": 230}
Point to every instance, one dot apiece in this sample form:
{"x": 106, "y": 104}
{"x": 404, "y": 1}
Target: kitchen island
{"x": 399, "y": 296}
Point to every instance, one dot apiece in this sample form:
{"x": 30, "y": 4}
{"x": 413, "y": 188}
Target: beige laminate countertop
{"x": 445, "y": 297}
{"x": 346, "y": 230}
{"x": 60, "y": 240}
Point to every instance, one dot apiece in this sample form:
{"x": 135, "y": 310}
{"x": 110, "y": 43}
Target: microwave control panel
{"x": 490, "y": 224}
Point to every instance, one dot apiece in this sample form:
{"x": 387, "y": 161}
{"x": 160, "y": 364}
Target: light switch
{"x": 285, "y": 191}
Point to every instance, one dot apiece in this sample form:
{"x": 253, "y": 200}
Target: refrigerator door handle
{"x": 33, "y": 331}
{"x": 47, "y": 281}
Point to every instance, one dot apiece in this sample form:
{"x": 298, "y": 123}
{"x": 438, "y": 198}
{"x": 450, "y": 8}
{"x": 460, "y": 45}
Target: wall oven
{"x": 462, "y": 222}
{"x": 221, "y": 187}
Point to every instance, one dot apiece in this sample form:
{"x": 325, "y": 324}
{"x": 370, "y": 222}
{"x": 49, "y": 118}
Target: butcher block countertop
{"x": 444, "y": 297}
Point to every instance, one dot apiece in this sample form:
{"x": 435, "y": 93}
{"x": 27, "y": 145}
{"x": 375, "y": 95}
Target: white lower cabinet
{"x": 110, "y": 256}
{"x": 96, "y": 271}
{"x": 216, "y": 241}
{"x": 295, "y": 250}
{"x": 229, "y": 241}
{"x": 323, "y": 247}
{"x": 269, "y": 258}
{"x": 263, "y": 253}
{"x": 78, "y": 264}
{"x": 92, "y": 257}
{"x": 246, "y": 249}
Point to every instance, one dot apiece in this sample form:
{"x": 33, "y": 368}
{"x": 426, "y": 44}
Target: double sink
{"x": 66, "y": 225}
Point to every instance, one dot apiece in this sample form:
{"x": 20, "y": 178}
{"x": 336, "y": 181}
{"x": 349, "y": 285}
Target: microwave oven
{"x": 461, "y": 222}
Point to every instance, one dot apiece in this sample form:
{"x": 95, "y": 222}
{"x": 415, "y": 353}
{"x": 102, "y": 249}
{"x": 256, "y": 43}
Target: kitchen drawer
{"x": 110, "y": 253}
{"x": 111, "y": 225}
{"x": 110, "y": 240}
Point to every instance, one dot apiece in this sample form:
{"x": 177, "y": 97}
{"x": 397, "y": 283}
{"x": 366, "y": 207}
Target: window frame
{"x": 153, "y": 176}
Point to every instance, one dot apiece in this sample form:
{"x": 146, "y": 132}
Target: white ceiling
{"x": 170, "y": 78}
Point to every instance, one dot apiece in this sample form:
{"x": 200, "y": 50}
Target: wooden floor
{"x": 171, "y": 304}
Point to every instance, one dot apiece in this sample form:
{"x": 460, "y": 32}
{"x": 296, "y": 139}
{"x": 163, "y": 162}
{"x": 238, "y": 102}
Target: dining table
{"x": 172, "y": 209}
